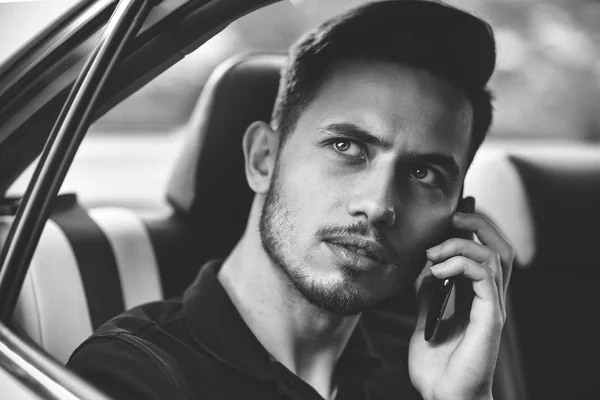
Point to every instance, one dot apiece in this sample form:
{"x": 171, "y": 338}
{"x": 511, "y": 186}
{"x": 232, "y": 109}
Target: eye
{"x": 420, "y": 172}
{"x": 423, "y": 174}
{"x": 347, "y": 147}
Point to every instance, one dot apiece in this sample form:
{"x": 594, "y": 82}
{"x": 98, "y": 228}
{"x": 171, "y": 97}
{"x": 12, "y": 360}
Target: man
{"x": 357, "y": 178}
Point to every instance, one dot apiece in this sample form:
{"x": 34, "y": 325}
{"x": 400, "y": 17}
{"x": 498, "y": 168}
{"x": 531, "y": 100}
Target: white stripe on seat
{"x": 52, "y": 307}
{"x": 136, "y": 261}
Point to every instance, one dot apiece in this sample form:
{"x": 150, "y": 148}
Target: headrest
{"x": 545, "y": 200}
{"x": 563, "y": 187}
{"x": 208, "y": 185}
{"x": 501, "y": 196}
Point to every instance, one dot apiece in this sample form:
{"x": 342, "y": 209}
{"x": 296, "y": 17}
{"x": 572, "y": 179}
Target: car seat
{"x": 554, "y": 289}
{"x": 88, "y": 267}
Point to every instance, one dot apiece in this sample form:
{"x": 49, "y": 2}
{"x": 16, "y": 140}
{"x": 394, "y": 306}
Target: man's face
{"x": 365, "y": 183}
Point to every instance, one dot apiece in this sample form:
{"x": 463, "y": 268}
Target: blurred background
{"x": 547, "y": 81}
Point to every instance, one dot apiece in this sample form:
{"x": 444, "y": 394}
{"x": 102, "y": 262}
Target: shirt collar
{"x": 216, "y": 326}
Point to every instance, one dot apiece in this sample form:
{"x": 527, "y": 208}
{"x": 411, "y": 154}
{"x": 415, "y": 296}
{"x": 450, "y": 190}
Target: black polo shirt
{"x": 198, "y": 347}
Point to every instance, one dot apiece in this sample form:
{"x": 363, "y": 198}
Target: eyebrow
{"x": 443, "y": 160}
{"x": 353, "y": 131}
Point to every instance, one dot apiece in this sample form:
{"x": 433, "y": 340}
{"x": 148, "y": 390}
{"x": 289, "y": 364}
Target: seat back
{"x": 87, "y": 268}
{"x": 208, "y": 186}
{"x": 554, "y": 291}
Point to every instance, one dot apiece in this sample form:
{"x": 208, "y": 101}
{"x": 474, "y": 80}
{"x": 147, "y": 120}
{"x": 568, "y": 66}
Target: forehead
{"x": 413, "y": 109}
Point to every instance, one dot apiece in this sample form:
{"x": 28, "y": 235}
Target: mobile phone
{"x": 443, "y": 287}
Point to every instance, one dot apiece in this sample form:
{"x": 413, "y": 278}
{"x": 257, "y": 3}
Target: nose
{"x": 374, "y": 199}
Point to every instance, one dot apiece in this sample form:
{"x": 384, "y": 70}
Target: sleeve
{"x": 123, "y": 370}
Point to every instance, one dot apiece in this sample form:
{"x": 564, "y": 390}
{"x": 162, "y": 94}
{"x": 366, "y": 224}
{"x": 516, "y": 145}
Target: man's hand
{"x": 460, "y": 363}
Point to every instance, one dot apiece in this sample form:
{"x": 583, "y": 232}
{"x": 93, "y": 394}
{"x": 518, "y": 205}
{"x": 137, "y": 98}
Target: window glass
{"x": 21, "y": 20}
{"x": 546, "y": 83}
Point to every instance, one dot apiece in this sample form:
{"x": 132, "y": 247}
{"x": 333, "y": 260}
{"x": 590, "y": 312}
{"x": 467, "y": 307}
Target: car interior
{"x": 106, "y": 260}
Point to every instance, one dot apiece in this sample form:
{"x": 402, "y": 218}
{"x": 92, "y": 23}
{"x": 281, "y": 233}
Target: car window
{"x": 546, "y": 82}
{"x": 546, "y": 85}
{"x": 21, "y": 20}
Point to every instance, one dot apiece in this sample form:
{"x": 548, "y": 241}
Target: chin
{"x": 343, "y": 294}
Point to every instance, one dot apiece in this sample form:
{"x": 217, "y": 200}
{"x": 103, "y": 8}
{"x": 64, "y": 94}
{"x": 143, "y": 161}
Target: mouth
{"x": 357, "y": 252}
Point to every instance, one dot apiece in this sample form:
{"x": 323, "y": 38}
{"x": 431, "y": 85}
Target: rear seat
{"x": 160, "y": 255}
{"x": 87, "y": 268}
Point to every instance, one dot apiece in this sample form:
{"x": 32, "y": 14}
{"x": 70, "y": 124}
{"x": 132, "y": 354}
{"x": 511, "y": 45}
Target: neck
{"x": 306, "y": 340}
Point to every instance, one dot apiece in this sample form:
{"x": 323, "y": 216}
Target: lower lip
{"x": 352, "y": 259}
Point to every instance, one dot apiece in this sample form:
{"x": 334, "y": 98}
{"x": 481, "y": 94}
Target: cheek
{"x": 306, "y": 201}
{"x": 310, "y": 187}
{"x": 428, "y": 225}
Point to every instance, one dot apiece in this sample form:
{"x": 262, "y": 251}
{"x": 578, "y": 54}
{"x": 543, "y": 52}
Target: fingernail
{"x": 437, "y": 268}
{"x": 433, "y": 249}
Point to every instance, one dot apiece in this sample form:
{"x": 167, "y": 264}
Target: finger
{"x": 475, "y": 251}
{"x": 496, "y": 265}
{"x": 490, "y": 236}
{"x": 487, "y": 233}
{"x": 425, "y": 288}
{"x": 462, "y": 247}
{"x": 426, "y": 271}
{"x": 486, "y": 305}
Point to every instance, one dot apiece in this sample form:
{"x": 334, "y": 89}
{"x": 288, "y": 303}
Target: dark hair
{"x": 431, "y": 36}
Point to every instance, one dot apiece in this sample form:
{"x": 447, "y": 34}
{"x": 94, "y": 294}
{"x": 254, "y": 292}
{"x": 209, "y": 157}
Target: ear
{"x": 260, "y": 145}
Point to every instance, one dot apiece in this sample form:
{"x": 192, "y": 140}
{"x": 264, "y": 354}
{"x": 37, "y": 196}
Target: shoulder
{"x": 126, "y": 368}
{"x": 128, "y": 357}
{"x": 163, "y": 315}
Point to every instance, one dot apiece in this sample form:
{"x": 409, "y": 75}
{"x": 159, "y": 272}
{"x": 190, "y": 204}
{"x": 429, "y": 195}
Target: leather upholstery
{"x": 178, "y": 251}
{"x": 500, "y": 194}
{"x": 240, "y": 91}
{"x": 53, "y": 306}
{"x": 563, "y": 188}
{"x": 556, "y": 296}
{"x": 546, "y": 200}
{"x": 136, "y": 263}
